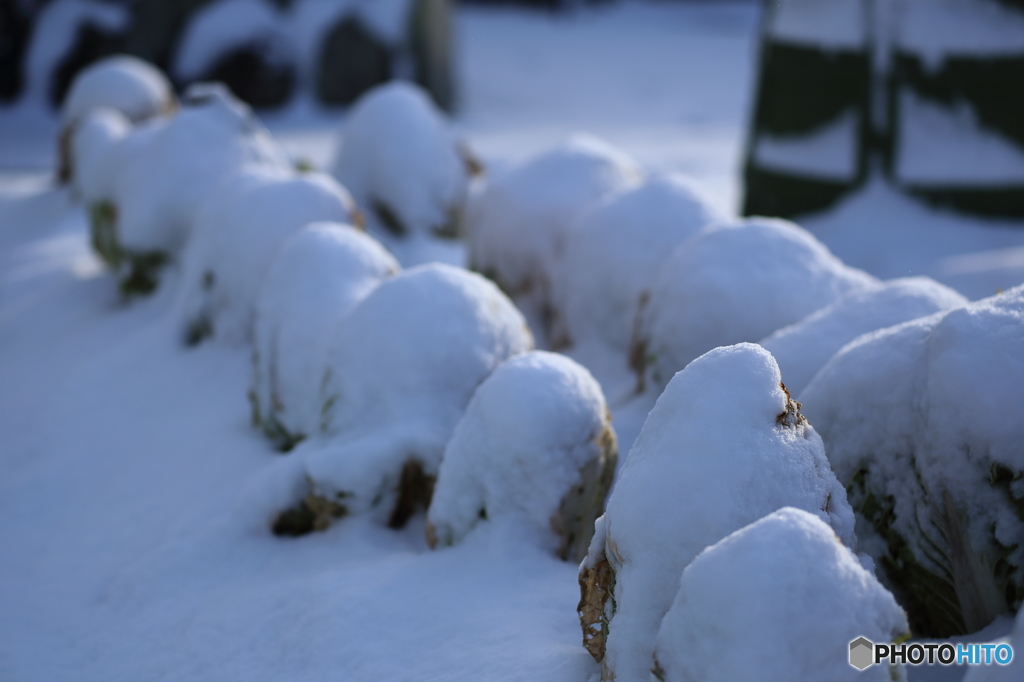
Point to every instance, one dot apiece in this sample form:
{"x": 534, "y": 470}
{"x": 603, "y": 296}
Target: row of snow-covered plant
{"x": 731, "y": 546}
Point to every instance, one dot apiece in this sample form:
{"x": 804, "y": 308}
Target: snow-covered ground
{"x": 135, "y": 496}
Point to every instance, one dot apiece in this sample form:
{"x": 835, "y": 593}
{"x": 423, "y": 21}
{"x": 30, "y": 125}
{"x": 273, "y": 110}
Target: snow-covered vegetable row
{"x": 370, "y": 367}
{"x": 401, "y": 390}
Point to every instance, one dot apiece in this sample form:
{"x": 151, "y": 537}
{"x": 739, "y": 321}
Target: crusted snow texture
{"x": 776, "y": 601}
{"x": 534, "y": 449}
{"x": 90, "y": 152}
{"x": 239, "y": 231}
{"x": 802, "y": 349}
{"x": 1014, "y": 672}
{"x": 135, "y": 88}
{"x": 317, "y": 277}
{"x": 401, "y": 370}
{"x": 612, "y": 252}
{"x": 736, "y": 282}
{"x": 165, "y": 168}
{"x": 402, "y": 162}
{"x": 922, "y": 422}
{"x": 516, "y": 225}
{"x": 723, "y": 446}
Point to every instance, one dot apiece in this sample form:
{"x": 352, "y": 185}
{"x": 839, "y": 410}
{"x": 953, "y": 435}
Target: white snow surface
{"x": 221, "y": 26}
{"x": 711, "y": 458}
{"x": 398, "y": 151}
{"x": 612, "y": 252}
{"x": 318, "y": 276}
{"x": 803, "y": 348}
{"x": 736, "y": 282}
{"x": 1001, "y": 673}
{"x": 529, "y": 429}
{"x": 164, "y": 169}
{"x": 928, "y": 406}
{"x": 776, "y": 601}
{"x": 237, "y": 234}
{"x": 401, "y": 370}
{"x": 516, "y": 225}
{"x": 92, "y": 146}
{"x": 828, "y": 152}
{"x": 135, "y": 88}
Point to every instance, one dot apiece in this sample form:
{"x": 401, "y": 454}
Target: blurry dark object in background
{"x": 254, "y": 75}
{"x": 92, "y": 43}
{"x": 347, "y": 44}
{"x": 13, "y": 36}
{"x": 260, "y": 68}
{"x": 930, "y": 96}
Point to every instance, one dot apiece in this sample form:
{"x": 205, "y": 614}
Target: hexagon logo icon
{"x": 861, "y": 653}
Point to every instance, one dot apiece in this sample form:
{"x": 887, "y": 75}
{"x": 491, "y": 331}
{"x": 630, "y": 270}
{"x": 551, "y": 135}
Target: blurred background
{"x": 834, "y": 112}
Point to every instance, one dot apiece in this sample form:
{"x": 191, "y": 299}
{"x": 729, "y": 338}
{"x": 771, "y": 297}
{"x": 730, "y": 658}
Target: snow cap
{"x": 315, "y": 280}
{"x": 801, "y": 349}
{"x": 613, "y": 251}
{"x": 517, "y": 223}
{"x": 133, "y": 87}
{"x": 401, "y": 371}
{"x": 723, "y": 446}
{"x": 535, "y": 431}
{"x": 238, "y": 234}
{"x": 776, "y": 601}
{"x": 401, "y": 161}
{"x": 737, "y": 282}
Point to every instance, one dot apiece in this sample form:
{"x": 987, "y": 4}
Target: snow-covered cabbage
{"x": 612, "y": 253}
{"x": 735, "y": 282}
{"x": 401, "y": 370}
{"x": 317, "y": 278}
{"x": 516, "y": 225}
{"x": 403, "y": 163}
{"x": 779, "y": 600}
{"x": 923, "y": 425}
{"x": 723, "y": 446}
{"x": 136, "y": 88}
{"x": 1013, "y": 672}
{"x": 237, "y": 234}
{"x": 535, "y": 448}
{"x": 803, "y": 348}
{"x": 162, "y": 172}
{"x": 90, "y": 151}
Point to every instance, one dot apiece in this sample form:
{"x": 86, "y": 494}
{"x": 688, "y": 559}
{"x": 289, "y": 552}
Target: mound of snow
{"x": 317, "y": 277}
{"x": 736, "y": 282}
{"x": 1003, "y": 673}
{"x": 612, "y": 252}
{"x": 803, "y": 348}
{"x": 402, "y": 369}
{"x": 516, "y": 225}
{"x": 164, "y": 169}
{"x": 90, "y": 151}
{"x": 723, "y": 446}
{"x": 922, "y": 422}
{"x": 402, "y": 162}
{"x": 535, "y": 448}
{"x": 237, "y": 234}
{"x": 777, "y": 601}
{"x": 136, "y": 88}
